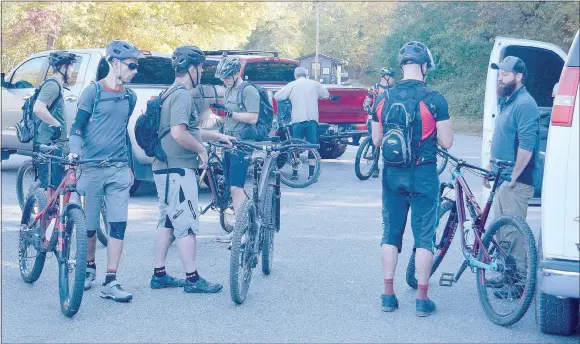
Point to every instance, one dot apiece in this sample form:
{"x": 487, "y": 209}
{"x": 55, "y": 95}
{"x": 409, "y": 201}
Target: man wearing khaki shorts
{"x": 516, "y": 138}
{"x": 176, "y": 178}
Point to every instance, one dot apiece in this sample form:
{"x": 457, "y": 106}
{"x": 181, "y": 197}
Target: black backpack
{"x": 147, "y": 126}
{"x": 261, "y": 131}
{"x": 398, "y": 115}
{"x": 26, "y": 128}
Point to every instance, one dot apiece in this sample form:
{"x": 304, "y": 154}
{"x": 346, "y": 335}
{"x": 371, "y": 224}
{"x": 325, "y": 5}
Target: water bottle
{"x": 469, "y": 235}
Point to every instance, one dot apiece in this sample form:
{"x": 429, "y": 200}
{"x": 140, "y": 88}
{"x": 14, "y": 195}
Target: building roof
{"x": 341, "y": 62}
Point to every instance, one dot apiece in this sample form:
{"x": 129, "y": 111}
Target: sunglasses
{"x": 131, "y": 66}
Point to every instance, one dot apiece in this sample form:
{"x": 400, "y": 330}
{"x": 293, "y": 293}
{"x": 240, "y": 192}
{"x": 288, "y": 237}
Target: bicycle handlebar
{"x": 67, "y": 162}
{"x": 265, "y": 147}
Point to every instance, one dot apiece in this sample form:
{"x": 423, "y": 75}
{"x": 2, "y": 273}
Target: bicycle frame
{"x": 466, "y": 200}
{"x": 217, "y": 201}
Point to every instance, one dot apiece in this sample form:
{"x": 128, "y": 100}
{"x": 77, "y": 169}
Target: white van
{"x": 558, "y": 192}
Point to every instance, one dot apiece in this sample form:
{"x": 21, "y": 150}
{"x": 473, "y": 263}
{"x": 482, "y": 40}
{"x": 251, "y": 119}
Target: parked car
{"x": 559, "y": 245}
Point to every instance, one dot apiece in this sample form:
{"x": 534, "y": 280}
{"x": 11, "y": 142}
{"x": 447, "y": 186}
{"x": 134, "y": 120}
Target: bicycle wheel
{"x": 30, "y": 258}
{"x": 270, "y": 228}
{"x": 441, "y": 162}
{"x": 72, "y": 267}
{"x": 367, "y": 159}
{"x": 25, "y": 181}
{"x": 105, "y": 227}
{"x": 444, "y": 233}
{"x": 511, "y": 288}
{"x": 243, "y": 260}
{"x": 295, "y": 173}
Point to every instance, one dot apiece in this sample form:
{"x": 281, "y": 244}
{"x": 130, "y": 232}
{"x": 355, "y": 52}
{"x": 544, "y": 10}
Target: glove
{"x": 221, "y": 110}
{"x": 55, "y": 133}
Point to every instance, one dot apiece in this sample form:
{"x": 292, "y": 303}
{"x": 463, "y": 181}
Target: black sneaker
{"x": 202, "y": 286}
{"x": 389, "y": 303}
{"x": 424, "y": 308}
{"x": 166, "y": 282}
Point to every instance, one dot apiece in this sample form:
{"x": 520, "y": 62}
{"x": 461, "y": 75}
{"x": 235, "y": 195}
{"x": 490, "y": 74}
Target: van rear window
{"x": 153, "y": 70}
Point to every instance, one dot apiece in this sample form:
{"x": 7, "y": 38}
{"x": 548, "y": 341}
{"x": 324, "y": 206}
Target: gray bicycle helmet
{"x": 386, "y": 71}
{"x": 228, "y": 66}
{"x": 416, "y": 52}
{"x": 59, "y": 58}
{"x": 185, "y": 56}
{"x": 122, "y": 50}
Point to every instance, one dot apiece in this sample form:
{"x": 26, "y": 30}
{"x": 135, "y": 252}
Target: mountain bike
{"x": 27, "y": 182}
{"x": 367, "y": 160}
{"x": 52, "y": 224}
{"x": 291, "y": 164}
{"x": 504, "y": 287}
{"x": 258, "y": 218}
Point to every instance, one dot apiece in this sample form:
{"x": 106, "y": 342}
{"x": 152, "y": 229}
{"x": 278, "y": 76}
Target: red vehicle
{"x": 342, "y": 118}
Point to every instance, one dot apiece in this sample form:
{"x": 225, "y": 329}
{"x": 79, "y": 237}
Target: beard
{"x": 506, "y": 90}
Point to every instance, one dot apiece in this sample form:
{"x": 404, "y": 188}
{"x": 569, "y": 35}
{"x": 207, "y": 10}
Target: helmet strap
{"x": 64, "y": 75}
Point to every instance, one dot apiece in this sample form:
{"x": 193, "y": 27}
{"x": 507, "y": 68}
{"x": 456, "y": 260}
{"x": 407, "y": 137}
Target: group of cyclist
{"x": 99, "y": 131}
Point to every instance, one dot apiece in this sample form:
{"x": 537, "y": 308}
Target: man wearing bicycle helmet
{"x": 238, "y": 123}
{"x": 99, "y": 131}
{"x": 414, "y": 184}
{"x": 49, "y": 107}
{"x": 387, "y": 81}
{"x": 175, "y": 179}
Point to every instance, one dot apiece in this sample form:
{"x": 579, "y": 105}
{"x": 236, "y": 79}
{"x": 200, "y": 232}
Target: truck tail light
{"x": 564, "y": 101}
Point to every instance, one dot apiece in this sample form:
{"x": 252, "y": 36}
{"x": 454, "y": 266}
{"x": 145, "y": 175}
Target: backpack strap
{"x": 51, "y": 107}
{"x": 163, "y": 95}
{"x": 132, "y": 99}
{"x": 240, "y": 97}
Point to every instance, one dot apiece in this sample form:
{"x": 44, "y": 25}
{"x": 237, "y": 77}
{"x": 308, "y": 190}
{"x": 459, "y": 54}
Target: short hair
{"x": 300, "y": 71}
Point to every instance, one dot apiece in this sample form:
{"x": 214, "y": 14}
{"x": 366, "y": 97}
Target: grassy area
{"x": 467, "y": 126}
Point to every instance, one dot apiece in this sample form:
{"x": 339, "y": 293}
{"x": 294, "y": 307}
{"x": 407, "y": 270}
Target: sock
{"x": 192, "y": 276}
{"x": 389, "y": 290}
{"x": 91, "y": 264}
{"x": 311, "y": 170}
{"x": 422, "y": 295}
{"x": 159, "y": 272}
{"x": 110, "y": 276}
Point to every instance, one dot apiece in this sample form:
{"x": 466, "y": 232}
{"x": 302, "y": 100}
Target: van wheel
{"x": 556, "y": 315}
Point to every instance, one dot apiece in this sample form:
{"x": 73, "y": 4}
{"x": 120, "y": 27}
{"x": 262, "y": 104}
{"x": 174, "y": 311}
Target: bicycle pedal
{"x": 447, "y": 279}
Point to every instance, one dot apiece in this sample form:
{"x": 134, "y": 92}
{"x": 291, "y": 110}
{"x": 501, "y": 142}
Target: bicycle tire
{"x": 441, "y": 246}
{"x": 241, "y": 256}
{"x": 104, "y": 227}
{"x": 30, "y": 273}
{"x": 530, "y": 286}
{"x": 286, "y": 180}
{"x": 75, "y": 231}
{"x": 441, "y": 162}
{"x": 26, "y": 166}
{"x": 364, "y": 146}
{"x": 270, "y": 222}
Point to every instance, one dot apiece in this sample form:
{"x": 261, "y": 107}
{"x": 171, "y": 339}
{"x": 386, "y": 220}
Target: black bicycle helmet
{"x": 60, "y": 58}
{"x": 416, "y": 52}
{"x": 185, "y": 56}
{"x": 228, "y": 66}
{"x": 122, "y": 50}
{"x": 386, "y": 71}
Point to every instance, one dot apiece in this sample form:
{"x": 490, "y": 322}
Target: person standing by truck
{"x": 99, "y": 131}
{"x": 304, "y": 94}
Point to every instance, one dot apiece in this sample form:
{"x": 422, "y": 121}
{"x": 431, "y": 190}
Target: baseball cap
{"x": 511, "y": 64}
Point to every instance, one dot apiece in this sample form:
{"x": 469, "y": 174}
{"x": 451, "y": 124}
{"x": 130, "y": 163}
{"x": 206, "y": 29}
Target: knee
{"x": 118, "y": 230}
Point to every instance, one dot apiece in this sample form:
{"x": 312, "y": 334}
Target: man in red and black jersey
{"x": 416, "y": 186}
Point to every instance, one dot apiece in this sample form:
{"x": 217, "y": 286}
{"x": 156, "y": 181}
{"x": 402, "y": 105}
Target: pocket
{"x": 183, "y": 215}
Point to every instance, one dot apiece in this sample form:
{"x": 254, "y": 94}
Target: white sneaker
{"x": 114, "y": 292}
{"x": 91, "y": 274}
{"x": 226, "y": 238}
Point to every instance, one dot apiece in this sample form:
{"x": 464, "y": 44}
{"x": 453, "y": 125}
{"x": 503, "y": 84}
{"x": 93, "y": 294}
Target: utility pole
{"x": 317, "y": 39}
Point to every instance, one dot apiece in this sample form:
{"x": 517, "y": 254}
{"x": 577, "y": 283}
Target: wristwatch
{"x": 229, "y": 114}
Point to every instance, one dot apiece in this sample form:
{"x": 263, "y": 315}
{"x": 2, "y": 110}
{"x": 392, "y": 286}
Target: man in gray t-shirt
{"x": 516, "y": 138}
{"x": 238, "y": 123}
{"x": 176, "y": 178}
{"x": 99, "y": 131}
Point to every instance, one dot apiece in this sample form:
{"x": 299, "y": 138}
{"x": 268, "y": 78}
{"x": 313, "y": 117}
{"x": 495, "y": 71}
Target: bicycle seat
{"x": 47, "y": 149}
{"x": 502, "y": 163}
